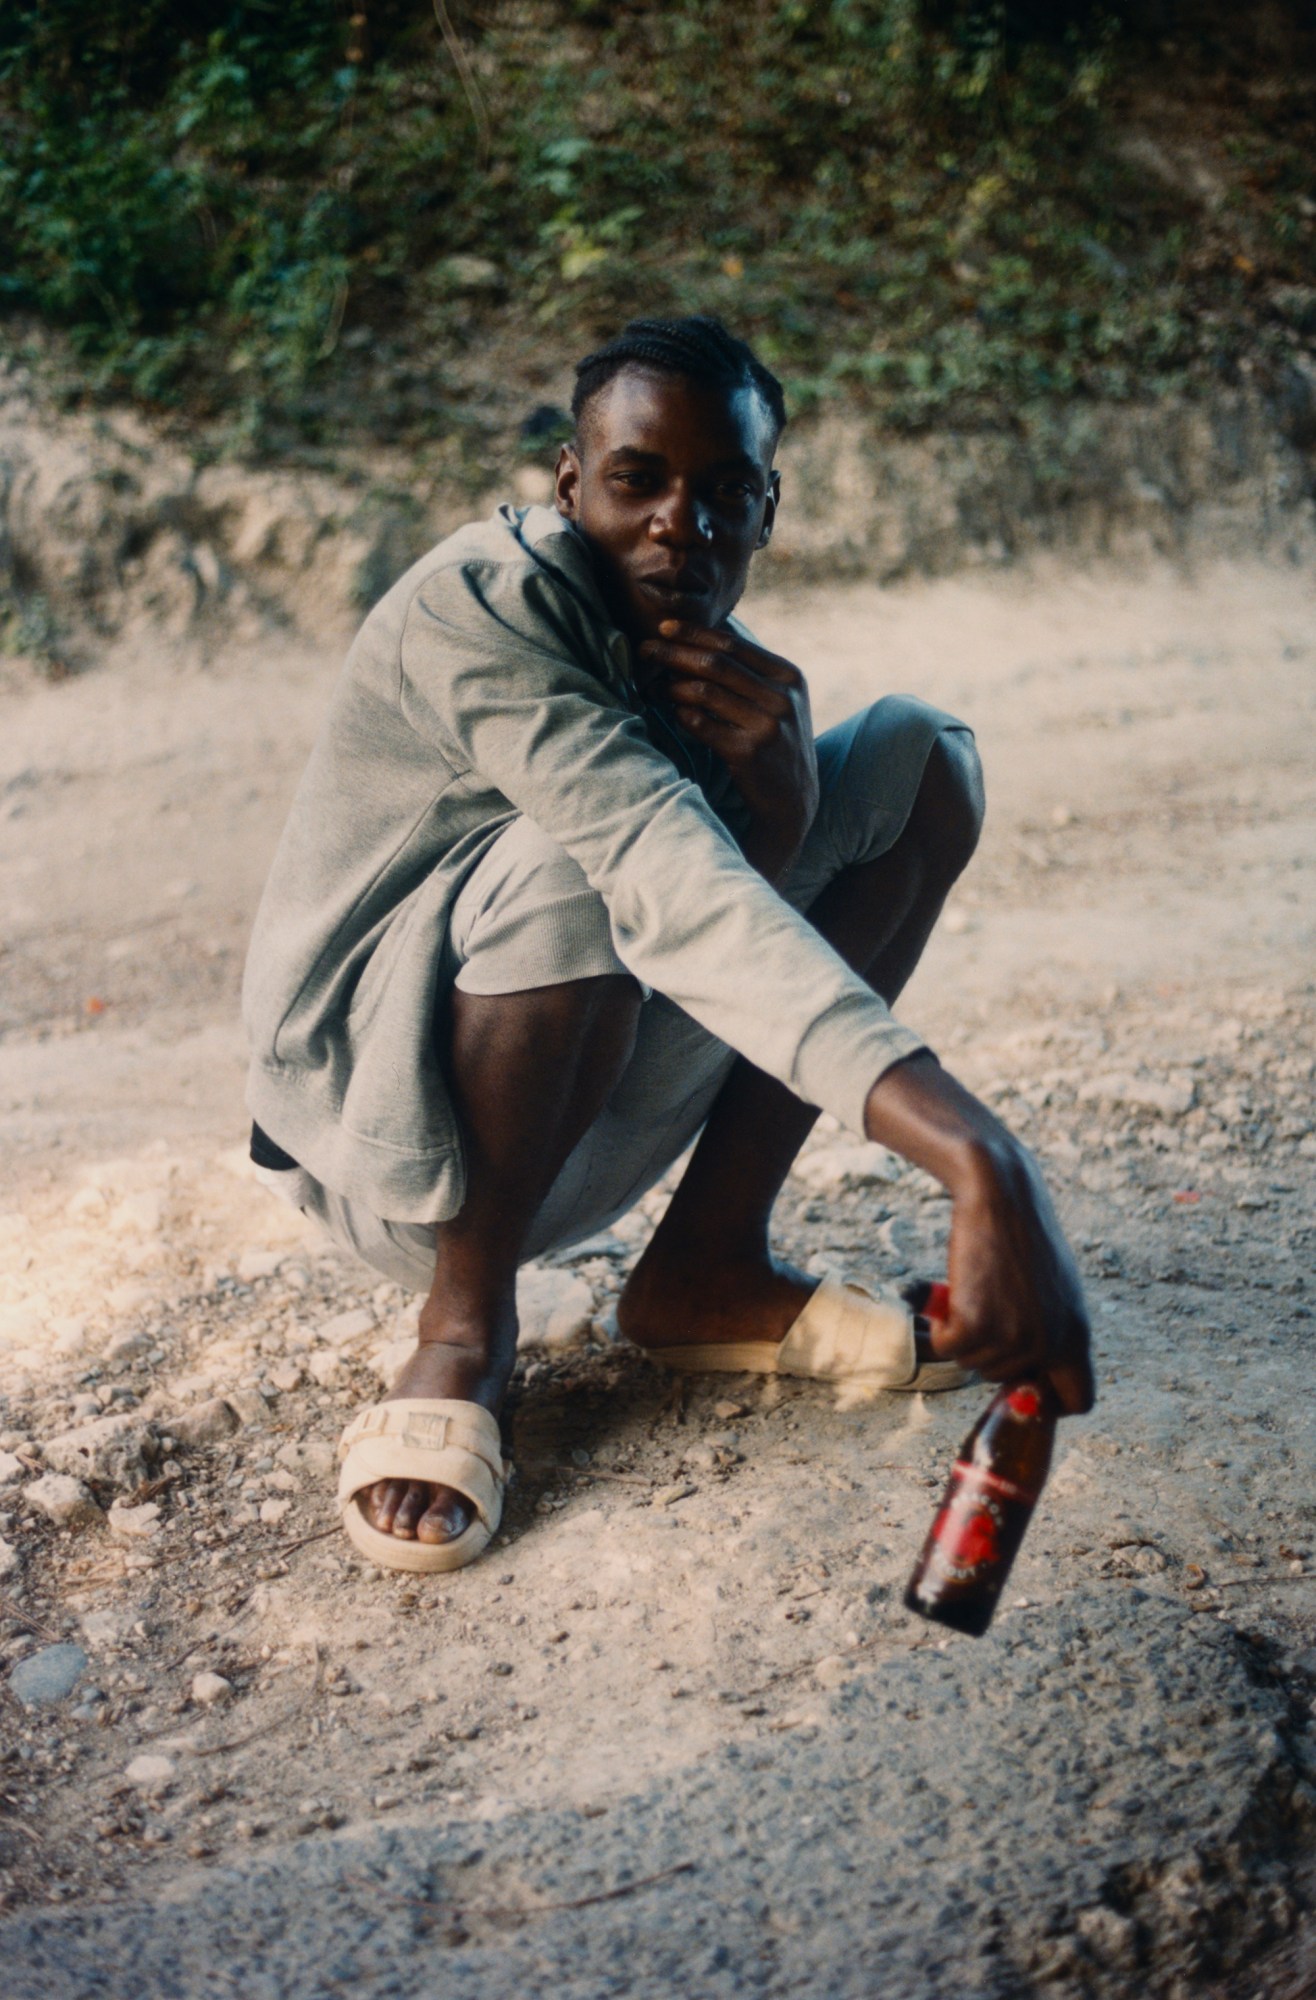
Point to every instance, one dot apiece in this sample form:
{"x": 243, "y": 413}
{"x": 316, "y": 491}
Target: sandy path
{"x": 690, "y": 1654}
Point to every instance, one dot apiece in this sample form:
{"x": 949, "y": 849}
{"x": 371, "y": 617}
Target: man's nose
{"x": 681, "y": 519}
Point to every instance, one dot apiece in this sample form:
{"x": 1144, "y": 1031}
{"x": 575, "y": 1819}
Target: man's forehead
{"x": 657, "y": 414}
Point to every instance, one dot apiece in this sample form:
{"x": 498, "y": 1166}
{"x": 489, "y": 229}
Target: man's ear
{"x": 566, "y": 482}
{"x": 770, "y": 506}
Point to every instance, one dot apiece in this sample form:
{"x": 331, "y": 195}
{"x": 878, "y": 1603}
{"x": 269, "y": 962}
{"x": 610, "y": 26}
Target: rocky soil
{"x": 676, "y": 1732}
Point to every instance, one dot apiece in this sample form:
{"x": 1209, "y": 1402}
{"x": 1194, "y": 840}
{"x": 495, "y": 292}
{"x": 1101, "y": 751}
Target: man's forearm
{"x": 1016, "y": 1300}
{"x": 919, "y": 1110}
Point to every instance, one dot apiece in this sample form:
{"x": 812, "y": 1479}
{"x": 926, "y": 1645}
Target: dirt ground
{"x": 676, "y": 1732}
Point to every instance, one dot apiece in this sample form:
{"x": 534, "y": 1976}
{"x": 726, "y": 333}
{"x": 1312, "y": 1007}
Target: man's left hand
{"x": 752, "y": 709}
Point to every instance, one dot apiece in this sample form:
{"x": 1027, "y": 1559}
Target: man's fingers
{"x": 958, "y": 1339}
{"x": 723, "y": 702}
{"x": 694, "y": 664}
{"x": 726, "y": 738}
{"x": 726, "y": 646}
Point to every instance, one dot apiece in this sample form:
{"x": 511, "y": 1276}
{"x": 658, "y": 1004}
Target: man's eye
{"x": 734, "y": 489}
{"x": 635, "y": 480}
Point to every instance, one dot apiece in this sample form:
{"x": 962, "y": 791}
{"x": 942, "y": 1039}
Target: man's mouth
{"x": 684, "y": 586}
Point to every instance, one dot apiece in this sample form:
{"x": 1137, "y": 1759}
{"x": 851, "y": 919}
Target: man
{"x": 568, "y": 879}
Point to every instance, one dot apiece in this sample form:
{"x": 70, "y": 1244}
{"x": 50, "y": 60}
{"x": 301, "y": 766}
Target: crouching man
{"x": 569, "y": 881}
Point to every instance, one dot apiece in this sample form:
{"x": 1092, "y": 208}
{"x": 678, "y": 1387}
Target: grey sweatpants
{"x": 527, "y": 917}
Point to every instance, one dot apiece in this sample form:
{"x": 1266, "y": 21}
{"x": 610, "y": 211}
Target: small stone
{"x": 727, "y": 1410}
{"x": 63, "y": 1500}
{"x": 555, "y": 1308}
{"x": 828, "y": 1169}
{"x": 134, "y": 1523}
{"x": 502, "y": 1668}
{"x": 249, "y": 1406}
{"x": 833, "y": 1671}
{"x": 11, "y": 1468}
{"x": 125, "y": 1345}
{"x": 387, "y": 1362}
{"x": 48, "y": 1676}
{"x": 208, "y": 1423}
{"x": 1113, "y": 1939}
{"x": 256, "y": 1264}
{"x": 325, "y": 1368}
{"x": 10, "y": 1563}
{"x": 1172, "y": 1096}
{"x": 347, "y": 1326}
{"x": 70, "y": 1333}
{"x": 308, "y": 1459}
{"x": 113, "y": 1449}
{"x": 286, "y": 1377}
{"x": 136, "y": 1215}
{"x": 274, "y": 1511}
{"x": 127, "y": 1298}
{"x": 152, "y": 1774}
{"x": 208, "y": 1688}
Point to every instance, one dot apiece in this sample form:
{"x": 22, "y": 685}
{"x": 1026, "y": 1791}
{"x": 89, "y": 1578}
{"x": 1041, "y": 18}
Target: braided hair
{"x": 700, "y": 349}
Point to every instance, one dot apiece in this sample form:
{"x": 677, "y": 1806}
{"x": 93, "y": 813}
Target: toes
{"x": 447, "y": 1516}
{"x": 381, "y": 1501}
{"x": 414, "y": 1512}
{"x": 412, "y": 1505}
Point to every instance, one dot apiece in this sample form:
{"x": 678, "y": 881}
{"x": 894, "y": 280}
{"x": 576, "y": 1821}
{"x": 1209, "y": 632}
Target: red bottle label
{"x": 979, "y": 1526}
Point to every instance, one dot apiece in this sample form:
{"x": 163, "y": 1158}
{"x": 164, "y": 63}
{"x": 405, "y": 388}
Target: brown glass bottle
{"x": 988, "y": 1503}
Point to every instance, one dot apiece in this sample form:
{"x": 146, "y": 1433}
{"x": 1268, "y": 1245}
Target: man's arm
{"x": 1016, "y": 1300}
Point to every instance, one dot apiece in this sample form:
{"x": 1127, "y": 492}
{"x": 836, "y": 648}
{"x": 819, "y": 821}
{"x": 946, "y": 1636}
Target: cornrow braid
{"x": 700, "y": 349}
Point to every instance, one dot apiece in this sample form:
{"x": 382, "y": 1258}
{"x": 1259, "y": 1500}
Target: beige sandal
{"x": 442, "y": 1443}
{"x": 844, "y": 1334}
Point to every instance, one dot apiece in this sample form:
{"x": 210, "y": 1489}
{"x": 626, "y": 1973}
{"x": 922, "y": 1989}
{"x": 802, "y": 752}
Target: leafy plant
{"x": 303, "y": 218}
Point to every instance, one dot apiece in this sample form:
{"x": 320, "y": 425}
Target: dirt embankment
{"x": 109, "y": 533}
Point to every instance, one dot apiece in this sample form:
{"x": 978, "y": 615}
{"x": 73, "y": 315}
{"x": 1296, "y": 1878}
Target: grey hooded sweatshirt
{"x": 492, "y": 681}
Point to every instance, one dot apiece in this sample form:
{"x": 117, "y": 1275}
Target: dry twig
{"x": 16, "y": 1612}
{"x": 600, "y": 1472}
{"x": 462, "y": 64}
{"x": 320, "y": 1535}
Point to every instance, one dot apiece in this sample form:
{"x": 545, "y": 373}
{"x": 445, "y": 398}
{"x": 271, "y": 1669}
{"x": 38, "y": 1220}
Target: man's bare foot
{"x": 408, "y": 1508}
{"x": 676, "y": 1300}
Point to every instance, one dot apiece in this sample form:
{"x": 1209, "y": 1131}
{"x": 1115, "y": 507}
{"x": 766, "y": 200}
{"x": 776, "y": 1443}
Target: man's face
{"x": 672, "y": 486}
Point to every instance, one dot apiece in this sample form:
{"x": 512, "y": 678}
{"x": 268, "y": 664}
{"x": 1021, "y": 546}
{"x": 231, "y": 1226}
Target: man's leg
{"x": 529, "y": 1073}
{"x": 709, "y": 1273}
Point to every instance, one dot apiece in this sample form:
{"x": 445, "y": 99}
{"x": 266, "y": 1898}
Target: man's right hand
{"x": 1016, "y": 1299}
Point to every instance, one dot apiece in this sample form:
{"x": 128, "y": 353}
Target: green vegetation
{"x": 301, "y": 222}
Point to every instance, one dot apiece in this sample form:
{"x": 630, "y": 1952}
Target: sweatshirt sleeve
{"x": 492, "y": 676}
